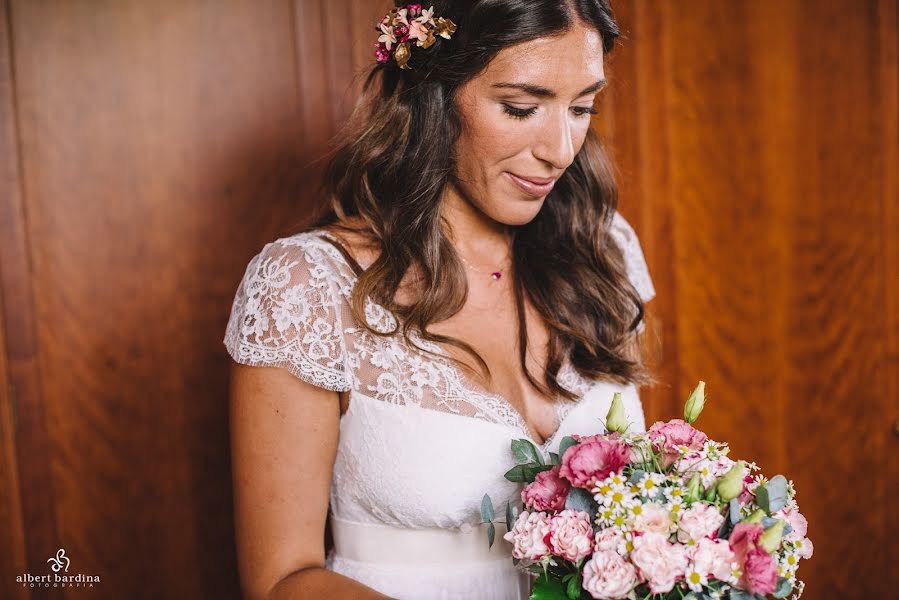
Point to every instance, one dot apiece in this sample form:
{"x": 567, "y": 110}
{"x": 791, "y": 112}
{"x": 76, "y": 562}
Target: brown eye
{"x": 583, "y": 111}
{"x": 519, "y": 113}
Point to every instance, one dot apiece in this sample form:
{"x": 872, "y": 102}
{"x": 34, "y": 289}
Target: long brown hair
{"x": 394, "y": 157}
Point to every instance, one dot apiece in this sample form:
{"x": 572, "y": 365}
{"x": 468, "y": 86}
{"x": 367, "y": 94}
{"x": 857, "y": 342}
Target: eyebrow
{"x": 542, "y": 92}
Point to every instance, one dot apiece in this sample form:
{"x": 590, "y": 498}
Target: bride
{"x": 472, "y": 283}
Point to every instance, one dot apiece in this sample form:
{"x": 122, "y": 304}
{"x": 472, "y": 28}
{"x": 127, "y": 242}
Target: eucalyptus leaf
{"x": 525, "y": 473}
{"x": 491, "y": 534}
{"x": 566, "y": 443}
{"x": 772, "y": 496}
{"x": 547, "y": 587}
{"x": 783, "y": 588}
{"x": 526, "y": 452}
{"x": 511, "y": 515}
{"x": 738, "y": 594}
{"x": 487, "y": 509}
{"x": 734, "y": 512}
{"x": 554, "y": 458}
{"x": 580, "y": 499}
{"x": 636, "y": 476}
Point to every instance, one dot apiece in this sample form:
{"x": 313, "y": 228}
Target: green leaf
{"x": 737, "y": 594}
{"x": 555, "y": 458}
{"x": 525, "y": 473}
{"x": 487, "y": 509}
{"x": 566, "y": 443}
{"x": 526, "y": 452}
{"x": 783, "y": 588}
{"x": 548, "y": 587}
{"x": 772, "y": 496}
{"x": 580, "y": 499}
{"x": 511, "y": 515}
{"x": 574, "y": 586}
{"x": 491, "y": 534}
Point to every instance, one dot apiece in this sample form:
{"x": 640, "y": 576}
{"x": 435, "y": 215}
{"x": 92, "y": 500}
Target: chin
{"x": 520, "y": 214}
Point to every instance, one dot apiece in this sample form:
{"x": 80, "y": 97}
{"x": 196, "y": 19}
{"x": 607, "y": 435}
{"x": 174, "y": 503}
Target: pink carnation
{"x": 697, "y": 522}
{"x": 547, "y": 492}
{"x": 610, "y": 539}
{"x": 528, "y": 536}
{"x": 653, "y": 518}
{"x": 587, "y": 462}
{"x": 607, "y": 575}
{"x": 667, "y": 436}
{"x": 571, "y": 535}
{"x": 759, "y": 572}
{"x": 744, "y": 538}
{"x": 713, "y": 558}
{"x": 659, "y": 561}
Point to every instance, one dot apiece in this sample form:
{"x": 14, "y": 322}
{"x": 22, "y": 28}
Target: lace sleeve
{"x": 637, "y": 271}
{"x": 286, "y": 314}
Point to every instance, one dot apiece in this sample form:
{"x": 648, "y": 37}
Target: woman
{"x": 471, "y": 284}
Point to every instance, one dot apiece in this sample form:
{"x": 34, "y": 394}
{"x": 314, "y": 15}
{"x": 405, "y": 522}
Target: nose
{"x": 555, "y": 141}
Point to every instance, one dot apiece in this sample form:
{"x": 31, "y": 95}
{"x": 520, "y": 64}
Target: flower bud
{"x": 616, "y": 420}
{"x": 730, "y": 485}
{"x": 695, "y": 403}
{"x": 755, "y": 517}
{"x": 694, "y": 488}
{"x": 770, "y": 539}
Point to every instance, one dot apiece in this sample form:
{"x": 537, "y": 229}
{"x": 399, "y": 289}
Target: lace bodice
{"x": 420, "y": 443}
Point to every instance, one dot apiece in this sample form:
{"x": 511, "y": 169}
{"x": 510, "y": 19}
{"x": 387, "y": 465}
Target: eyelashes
{"x": 524, "y": 113}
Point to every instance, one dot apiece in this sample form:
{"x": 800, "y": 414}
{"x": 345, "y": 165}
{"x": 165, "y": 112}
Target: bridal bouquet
{"x": 663, "y": 514}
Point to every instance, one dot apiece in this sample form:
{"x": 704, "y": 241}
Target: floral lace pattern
{"x": 292, "y": 309}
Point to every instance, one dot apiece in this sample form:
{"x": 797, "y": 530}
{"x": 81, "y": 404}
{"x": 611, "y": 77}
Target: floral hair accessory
{"x": 401, "y": 26}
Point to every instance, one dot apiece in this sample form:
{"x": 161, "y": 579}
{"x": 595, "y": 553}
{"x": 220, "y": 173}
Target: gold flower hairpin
{"x": 401, "y": 26}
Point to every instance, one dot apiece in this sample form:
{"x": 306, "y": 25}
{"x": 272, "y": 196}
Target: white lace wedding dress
{"x": 420, "y": 444}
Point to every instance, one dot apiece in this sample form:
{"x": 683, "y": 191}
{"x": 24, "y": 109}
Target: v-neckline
{"x": 476, "y": 388}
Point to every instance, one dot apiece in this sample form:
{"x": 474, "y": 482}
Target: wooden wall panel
{"x": 149, "y": 149}
{"x": 758, "y": 147}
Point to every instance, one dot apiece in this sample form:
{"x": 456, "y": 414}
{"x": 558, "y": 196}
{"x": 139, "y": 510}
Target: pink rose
{"x": 608, "y": 575}
{"x": 571, "y": 534}
{"x": 759, "y": 572}
{"x": 658, "y": 561}
{"x": 547, "y": 492}
{"x": 697, "y": 522}
{"x": 667, "y": 436}
{"x": 653, "y": 518}
{"x": 610, "y": 539}
{"x": 528, "y": 536}
{"x": 587, "y": 462}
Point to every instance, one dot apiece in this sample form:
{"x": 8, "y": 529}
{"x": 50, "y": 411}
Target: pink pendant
{"x": 496, "y": 275}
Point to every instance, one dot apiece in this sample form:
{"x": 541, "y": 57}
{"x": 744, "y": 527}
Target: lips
{"x": 533, "y": 186}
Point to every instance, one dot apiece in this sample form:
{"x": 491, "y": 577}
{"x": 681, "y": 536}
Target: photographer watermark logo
{"x": 59, "y": 564}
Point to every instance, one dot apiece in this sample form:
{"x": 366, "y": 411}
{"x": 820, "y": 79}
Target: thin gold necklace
{"x": 495, "y": 275}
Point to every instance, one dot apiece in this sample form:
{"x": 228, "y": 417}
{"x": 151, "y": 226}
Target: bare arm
{"x": 284, "y": 435}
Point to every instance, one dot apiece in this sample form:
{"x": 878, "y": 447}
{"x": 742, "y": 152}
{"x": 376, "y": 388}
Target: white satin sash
{"x": 385, "y": 544}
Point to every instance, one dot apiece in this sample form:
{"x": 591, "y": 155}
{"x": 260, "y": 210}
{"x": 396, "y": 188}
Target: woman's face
{"x": 526, "y": 115}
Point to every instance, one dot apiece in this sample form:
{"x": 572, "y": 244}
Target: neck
{"x": 476, "y": 236}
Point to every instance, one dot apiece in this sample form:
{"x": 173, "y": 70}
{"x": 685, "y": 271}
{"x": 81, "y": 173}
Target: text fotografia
{"x": 57, "y": 580}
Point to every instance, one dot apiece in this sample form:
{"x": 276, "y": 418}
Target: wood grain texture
{"x": 27, "y": 500}
{"x": 761, "y": 138}
{"x": 149, "y": 149}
